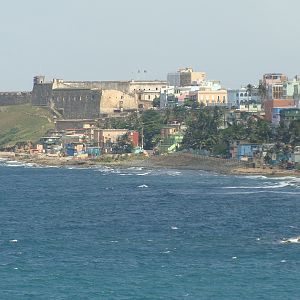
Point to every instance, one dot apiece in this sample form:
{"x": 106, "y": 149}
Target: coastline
{"x": 183, "y": 161}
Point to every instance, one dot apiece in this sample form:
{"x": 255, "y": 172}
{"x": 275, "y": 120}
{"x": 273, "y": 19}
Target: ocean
{"x": 137, "y": 233}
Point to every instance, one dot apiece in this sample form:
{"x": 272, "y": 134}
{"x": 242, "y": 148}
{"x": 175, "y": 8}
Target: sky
{"x": 232, "y": 41}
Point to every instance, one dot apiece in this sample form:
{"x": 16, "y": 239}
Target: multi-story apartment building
{"x": 236, "y": 97}
{"x": 273, "y": 84}
{"x": 185, "y": 77}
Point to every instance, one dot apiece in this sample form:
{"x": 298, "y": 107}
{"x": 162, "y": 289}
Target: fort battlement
{"x": 14, "y": 98}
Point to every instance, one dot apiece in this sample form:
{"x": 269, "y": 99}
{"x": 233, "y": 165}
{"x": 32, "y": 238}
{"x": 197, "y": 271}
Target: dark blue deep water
{"x": 134, "y": 233}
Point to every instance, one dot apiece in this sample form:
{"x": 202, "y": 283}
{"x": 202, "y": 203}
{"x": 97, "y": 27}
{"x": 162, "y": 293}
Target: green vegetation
{"x": 123, "y": 145}
{"x": 23, "y": 123}
{"x": 207, "y": 128}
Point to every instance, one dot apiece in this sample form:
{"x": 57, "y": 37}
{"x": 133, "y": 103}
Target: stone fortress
{"x": 87, "y": 99}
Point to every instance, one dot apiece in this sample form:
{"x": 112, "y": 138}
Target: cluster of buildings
{"x": 80, "y": 106}
{"x": 275, "y": 97}
{"x": 88, "y": 141}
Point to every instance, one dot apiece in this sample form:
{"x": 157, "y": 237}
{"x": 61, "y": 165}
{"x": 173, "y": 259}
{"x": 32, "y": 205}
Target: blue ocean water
{"x": 108, "y": 233}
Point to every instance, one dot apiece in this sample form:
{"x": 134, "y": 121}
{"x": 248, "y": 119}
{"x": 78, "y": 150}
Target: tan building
{"x": 189, "y": 77}
{"x": 113, "y": 101}
{"x": 209, "y": 97}
{"x": 105, "y": 137}
{"x": 146, "y": 91}
{"x": 185, "y": 77}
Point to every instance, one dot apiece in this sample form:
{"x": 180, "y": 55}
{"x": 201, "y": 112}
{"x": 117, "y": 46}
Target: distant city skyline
{"x": 235, "y": 42}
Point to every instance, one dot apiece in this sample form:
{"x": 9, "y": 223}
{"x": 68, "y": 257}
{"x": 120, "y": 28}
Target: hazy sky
{"x": 235, "y": 41}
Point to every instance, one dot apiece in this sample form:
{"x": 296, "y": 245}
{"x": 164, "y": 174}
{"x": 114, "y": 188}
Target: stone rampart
{"x": 14, "y": 98}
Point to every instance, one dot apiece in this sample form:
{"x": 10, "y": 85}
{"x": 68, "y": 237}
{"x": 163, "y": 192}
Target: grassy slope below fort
{"x": 22, "y": 123}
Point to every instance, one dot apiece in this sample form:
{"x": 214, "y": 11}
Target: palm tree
{"x": 262, "y": 91}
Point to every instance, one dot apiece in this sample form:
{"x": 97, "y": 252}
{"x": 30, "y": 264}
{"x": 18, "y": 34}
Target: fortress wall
{"x": 41, "y": 94}
{"x": 15, "y": 98}
{"x": 77, "y": 104}
{"x": 89, "y": 99}
{"x": 123, "y": 86}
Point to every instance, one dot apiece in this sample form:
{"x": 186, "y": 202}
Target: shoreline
{"x": 180, "y": 161}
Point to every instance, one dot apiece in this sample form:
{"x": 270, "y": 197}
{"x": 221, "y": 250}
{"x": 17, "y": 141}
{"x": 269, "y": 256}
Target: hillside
{"x": 21, "y": 123}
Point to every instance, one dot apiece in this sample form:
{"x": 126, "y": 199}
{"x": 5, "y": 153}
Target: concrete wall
{"x": 15, "y": 98}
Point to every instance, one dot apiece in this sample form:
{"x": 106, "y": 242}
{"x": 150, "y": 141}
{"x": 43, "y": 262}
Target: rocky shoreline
{"x": 182, "y": 161}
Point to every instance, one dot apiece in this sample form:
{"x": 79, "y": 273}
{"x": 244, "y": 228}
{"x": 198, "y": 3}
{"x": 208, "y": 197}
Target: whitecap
{"x": 143, "y": 174}
{"x": 175, "y": 173}
{"x": 283, "y": 261}
{"x": 234, "y": 257}
{"x": 143, "y": 186}
{"x": 136, "y": 168}
{"x": 291, "y": 240}
{"x": 256, "y": 177}
{"x": 274, "y": 186}
{"x": 174, "y": 227}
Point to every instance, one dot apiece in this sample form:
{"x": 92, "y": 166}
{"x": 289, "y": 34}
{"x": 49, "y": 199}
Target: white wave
{"x": 283, "y": 261}
{"x": 274, "y": 186}
{"x": 136, "y": 168}
{"x": 143, "y": 174}
{"x": 285, "y": 178}
{"x": 175, "y": 173}
{"x": 125, "y": 174}
{"x": 256, "y": 176}
{"x": 143, "y": 186}
{"x": 12, "y": 162}
{"x": 166, "y": 252}
{"x": 174, "y": 227}
{"x": 291, "y": 240}
{"x": 234, "y": 257}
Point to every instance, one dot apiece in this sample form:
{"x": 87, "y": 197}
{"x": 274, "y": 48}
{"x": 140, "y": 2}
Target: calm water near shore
{"x": 137, "y": 233}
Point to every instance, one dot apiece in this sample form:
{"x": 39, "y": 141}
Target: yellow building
{"x": 210, "y": 97}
